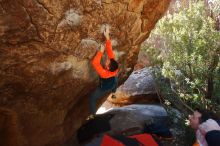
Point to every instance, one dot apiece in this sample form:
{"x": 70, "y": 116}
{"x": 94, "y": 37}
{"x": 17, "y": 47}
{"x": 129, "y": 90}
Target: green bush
{"x": 188, "y": 54}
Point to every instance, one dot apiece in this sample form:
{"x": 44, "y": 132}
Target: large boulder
{"x": 45, "y": 52}
{"x": 129, "y": 120}
{"x": 138, "y": 88}
{"x": 136, "y": 116}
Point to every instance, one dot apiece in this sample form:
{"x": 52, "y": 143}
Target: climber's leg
{"x": 114, "y": 88}
{"x": 94, "y": 97}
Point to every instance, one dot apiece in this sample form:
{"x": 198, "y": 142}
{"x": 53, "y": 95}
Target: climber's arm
{"x": 96, "y": 63}
{"x": 108, "y": 43}
{"x": 109, "y": 49}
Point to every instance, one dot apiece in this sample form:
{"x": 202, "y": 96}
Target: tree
{"x": 191, "y": 59}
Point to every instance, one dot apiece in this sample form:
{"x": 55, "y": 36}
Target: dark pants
{"x": 98, "y": 93}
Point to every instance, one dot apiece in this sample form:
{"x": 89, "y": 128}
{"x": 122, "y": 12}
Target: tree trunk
{"x": 210, "y": 83}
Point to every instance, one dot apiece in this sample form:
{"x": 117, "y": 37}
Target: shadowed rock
{"x": 138, "y": 88}
{"x": 129, "y": 120}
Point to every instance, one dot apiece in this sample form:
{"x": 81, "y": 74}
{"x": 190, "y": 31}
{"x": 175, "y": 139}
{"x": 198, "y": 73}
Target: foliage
{"x": 215, "y": 6}
{"x": 189, "y": 54}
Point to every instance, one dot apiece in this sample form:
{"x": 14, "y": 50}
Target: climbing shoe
{"x": 113, "y": 96}
{"x": 90, "y": 117}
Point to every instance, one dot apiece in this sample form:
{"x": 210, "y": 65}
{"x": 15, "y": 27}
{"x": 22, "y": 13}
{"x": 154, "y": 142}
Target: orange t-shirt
{"x": 104, "y": 73}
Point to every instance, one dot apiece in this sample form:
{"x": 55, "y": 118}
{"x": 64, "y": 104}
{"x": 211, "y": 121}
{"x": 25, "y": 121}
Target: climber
{"x": 207, "y": 128}
{"x": 107, "y": 74}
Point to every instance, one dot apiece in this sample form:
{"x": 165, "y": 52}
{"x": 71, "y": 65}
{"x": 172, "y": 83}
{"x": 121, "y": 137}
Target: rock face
{"x": 130, "y": 120}
{"x": 136, "y": 116}
{"x": 45, "y": 52}
{"x": 140, "y": 86}
{"x": 139, "y": 82}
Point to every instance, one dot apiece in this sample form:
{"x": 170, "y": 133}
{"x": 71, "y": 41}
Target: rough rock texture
{"x": 129, "y": 120}
{"x": 45, "y": 50}
{"x": 133, "y": 117}
{"x": 143, "y": 60}
{"x": 139, "y": 82}
{"x": 138, "y": 88}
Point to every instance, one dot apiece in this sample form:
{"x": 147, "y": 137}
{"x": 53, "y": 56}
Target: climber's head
{"x": 112, "y": 65}
{"x": 200, "y": 116}
{"x": 194, "y": 119}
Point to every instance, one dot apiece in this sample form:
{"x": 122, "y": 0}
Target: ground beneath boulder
{"x": 133, "y": 117}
